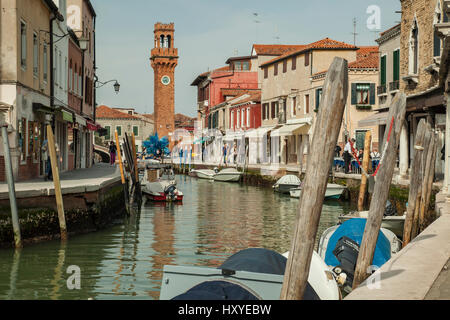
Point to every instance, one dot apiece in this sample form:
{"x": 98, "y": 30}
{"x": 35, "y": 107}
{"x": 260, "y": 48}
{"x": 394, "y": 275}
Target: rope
{"x": 383, "y": 153}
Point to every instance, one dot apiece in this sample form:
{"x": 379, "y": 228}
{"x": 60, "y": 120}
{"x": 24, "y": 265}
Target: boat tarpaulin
{"x": 289, "y": 179}
{"x": 354, "y": 229}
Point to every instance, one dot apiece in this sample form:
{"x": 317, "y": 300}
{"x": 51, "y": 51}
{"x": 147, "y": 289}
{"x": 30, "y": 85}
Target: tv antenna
{"x": 354, "y": 33}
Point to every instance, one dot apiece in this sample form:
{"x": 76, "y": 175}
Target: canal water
{"x": 126, "y": 260}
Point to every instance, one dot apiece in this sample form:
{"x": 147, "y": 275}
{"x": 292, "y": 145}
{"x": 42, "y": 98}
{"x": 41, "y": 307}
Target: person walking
{"x": 347, "y": 154}
{"x": 112, "y": 153}
{"x": 46, "y": 157}
{"x": 224, "y": 153}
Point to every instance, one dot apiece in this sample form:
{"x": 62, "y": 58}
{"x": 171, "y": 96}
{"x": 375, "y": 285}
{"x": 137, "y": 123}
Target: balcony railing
{"x": 395, "y": 85}
{"x": 381, "y": 89}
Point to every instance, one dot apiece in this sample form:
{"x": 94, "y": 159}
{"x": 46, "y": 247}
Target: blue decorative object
{"x": 153, "y": 144}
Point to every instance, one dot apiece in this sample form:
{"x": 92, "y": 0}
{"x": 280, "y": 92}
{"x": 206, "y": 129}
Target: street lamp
{"x": 83, "y": 43}
{"x": 116, "y": 85}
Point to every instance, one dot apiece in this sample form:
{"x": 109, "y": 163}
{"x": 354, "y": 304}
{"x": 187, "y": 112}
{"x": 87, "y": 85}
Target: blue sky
{"x": 207, "y": 33}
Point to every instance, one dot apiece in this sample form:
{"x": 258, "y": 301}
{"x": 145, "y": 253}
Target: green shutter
{"x": 372, "y": 94}
{"x": 119, "y": 131}
{"x": 108, "y": 132}
{"x": 397, "y": 65}
{"x": 136, "y": 130}
{"x": 354, "y": 98}
{"x": 383, "y": 69}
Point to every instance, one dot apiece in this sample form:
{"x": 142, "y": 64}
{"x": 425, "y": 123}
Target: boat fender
{"x": 228, "y": 272}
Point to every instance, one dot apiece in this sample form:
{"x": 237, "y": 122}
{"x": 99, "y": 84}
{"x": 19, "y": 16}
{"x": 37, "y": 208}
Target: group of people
{"x": 229, "y": 153}
{"x": 349, "y": 153}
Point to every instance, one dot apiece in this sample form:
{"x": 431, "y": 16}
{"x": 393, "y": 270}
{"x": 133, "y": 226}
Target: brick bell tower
{"x": 164, "y": 59}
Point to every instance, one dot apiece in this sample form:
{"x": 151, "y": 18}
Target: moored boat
{"x": 205, "y": 174}
{"x": 286, "y": 183}
{"x": 334, "y": 191}
{"x": 159, "y": 184}
{"x": 228, "y": 175}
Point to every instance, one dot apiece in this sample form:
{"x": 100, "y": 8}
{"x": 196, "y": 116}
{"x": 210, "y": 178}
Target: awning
{"x": 91, "y": 126}
{"x": 258, "y": 133}
{"x": 67, "y": 116}
{"x": 374, "y": 120}
{"x": 39, "y": 107}
{"x": 233, "y": 135}
{"x": 291, "y": 129}
{"x": 80, "y": 120}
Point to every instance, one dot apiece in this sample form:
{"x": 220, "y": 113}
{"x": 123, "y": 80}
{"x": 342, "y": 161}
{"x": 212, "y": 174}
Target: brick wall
{"x": 27, "y": 171}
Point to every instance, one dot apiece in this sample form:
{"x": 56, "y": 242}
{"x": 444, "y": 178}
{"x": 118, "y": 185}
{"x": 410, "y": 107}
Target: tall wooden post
{"x": 119, "y": 157}
{"x": 326, "y": 131}
{"x": 56, "y": 182}
{"x": 136, "y": 171}
{"x": 381, "y": 190}
{"x": 365, "y": 165}
{"x": 415, "y": 181}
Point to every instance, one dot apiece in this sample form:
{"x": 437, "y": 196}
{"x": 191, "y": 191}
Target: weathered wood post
{"x": 136, "y": 171}
{"x": 365, "y": 165}
{"x": 427, "y": 184}
{"x": 56, "y": 182}
{"x": 119, "y": 157}
{"x": 395, "y": 119}
{"x": 326, "y": 131}
{"x": 415, "y": 180}
{"x": 11, "y": 186}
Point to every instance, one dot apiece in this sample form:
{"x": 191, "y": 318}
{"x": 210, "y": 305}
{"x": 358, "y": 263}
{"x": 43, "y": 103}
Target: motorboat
{"x": 339, "y": 248}
{"x": 334, "y": 191}
{"x": 391, "y": 220}
{"x": 286, "y": 183}
{"x": 204, "y": 174}
{"x": 159, "y": 184}
{"x": 250, "y": 274}
{"x": 228, "y": 175}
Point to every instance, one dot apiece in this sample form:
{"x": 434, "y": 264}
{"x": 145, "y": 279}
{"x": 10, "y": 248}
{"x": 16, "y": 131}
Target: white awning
{"x": 80, "y": 120}
{"x": 374, "y": 120}
{"x": 232, "y": 135}
{"x": 290, "y": 130}
{"x": 258, "y": 133}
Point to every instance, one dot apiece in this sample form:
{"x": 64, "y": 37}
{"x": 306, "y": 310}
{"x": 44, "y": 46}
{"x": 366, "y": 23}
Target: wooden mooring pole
{"x": 365, "y": 165}
{"x": 11, "y": 187}
{"x": 56, "y": 182}
{"x": 326, "y": 131}
{"x": 395, "y": 119}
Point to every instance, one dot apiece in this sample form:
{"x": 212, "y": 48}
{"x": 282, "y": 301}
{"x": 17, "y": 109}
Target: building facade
{"x": 26, "y": 82}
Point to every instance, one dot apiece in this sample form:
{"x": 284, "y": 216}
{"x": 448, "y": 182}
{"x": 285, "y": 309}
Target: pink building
{"x": 245, "y": 112}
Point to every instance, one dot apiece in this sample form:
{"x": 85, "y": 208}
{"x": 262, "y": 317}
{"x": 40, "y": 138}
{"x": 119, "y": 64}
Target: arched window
{"x": 166, "y": 44}
{"x": 161, "y": 41}
{"x": 437, "y": 40}
{"x": 414, "y": 49}
{"x": 169, "y": 43}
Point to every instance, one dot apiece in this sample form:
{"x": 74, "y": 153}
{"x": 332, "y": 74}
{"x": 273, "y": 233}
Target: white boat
{"x": 228, "y": 175}
{"x": 286, "y": 183}
{"x": 334, "y": 191}
{"x": 204, "y": 174}
{"x": 250, "y": 274}
{"x": 393, "y": 223}
{"x": 162, "y": 187}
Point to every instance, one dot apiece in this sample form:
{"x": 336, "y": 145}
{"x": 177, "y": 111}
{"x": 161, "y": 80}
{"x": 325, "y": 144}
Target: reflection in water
{"x": 126, "y": 261}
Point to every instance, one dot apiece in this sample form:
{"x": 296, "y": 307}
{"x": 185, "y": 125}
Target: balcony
{"x": 394, "y": 86}
{"x": 381, "y": 90}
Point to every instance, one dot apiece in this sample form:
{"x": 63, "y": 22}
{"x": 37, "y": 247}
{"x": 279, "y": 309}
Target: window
{"x": 232, "y": 120}
{"x": 238, "y": 118}
{"x": 60, "y": 69}
{"x": 284, "y": 66}
{"x": 362, "y": 94}
{"x": 265, "y": 111}
{"x": 22, "y": 135}
{"x": 266, "y": 73}
{"x": 108, "y": 133}
{"x": 414, "y": 50}
{"x": 237, "y": 65}
{"x": 35, "y": 55}
{"x": 396, "y": 65}
{"x": 294, "y": 63}
{"x": 360, "y": 137}
{"x": 243, "y": 118}
{"x": 318, "y": 98}
{"x": 275, "y": 69}
{"x": 306, "y": 59}
{"x": 80, "y": 83}
{"x": 383, "y": 71}
{"x": 136, "y": 130}
{"x": 245, "y": 65}
{"x": 306, "y": 103}
{"x": 437, "y": 39}
{"x": 119, "y": 130}
{"x": 23, "y": 47}
{"x": 45, "y": 58}
{"x": 272, "y": 111}
{"x": 70, "y": 76}
{"x": 294, "y": 106}
{"x": 248, "y": 117}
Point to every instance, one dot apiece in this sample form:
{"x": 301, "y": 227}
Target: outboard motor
{"x": 346, "y": 251}
{"x": 390, "y": 210}
{"x": 216, "y": 170}
{"x": 170, "y": 192}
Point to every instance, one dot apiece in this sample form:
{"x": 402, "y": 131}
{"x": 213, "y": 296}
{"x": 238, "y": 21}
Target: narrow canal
{"x": 125, "y": 261}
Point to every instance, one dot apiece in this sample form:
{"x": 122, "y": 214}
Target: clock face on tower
{"x": 165, "y": 80}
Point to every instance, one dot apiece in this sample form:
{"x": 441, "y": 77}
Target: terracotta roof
{"x": 390, "y": 29}
{"x": 252, "y": 97}
{"x": 366, "y": 51}
{"x": 372, "y": 61}
{"x": 109, "y": 113}
{"x": 276, "y": 49}
{"x": 326, "y": 43}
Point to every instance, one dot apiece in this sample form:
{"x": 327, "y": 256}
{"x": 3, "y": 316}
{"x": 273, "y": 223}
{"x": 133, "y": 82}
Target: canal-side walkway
{"x": 77, "y": 181}
{"x": 420, "y": 270}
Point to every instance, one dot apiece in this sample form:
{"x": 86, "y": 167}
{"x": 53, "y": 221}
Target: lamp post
{"x": 116, "y": 85}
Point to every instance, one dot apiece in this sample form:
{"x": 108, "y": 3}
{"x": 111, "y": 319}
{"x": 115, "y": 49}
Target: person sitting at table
{"x": 337, "y": 151}
{"x": 374, "y": 154}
